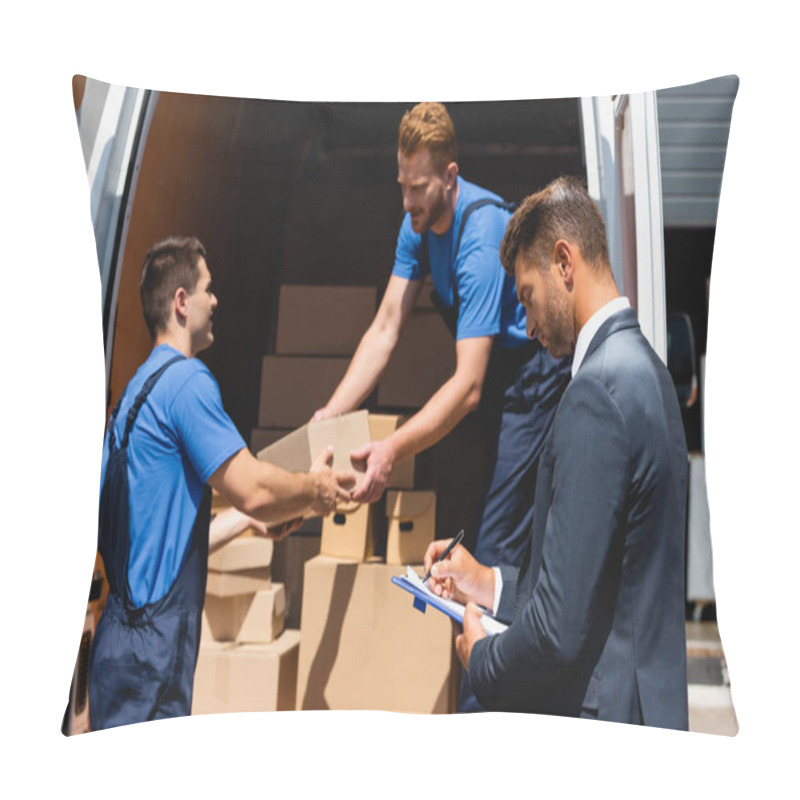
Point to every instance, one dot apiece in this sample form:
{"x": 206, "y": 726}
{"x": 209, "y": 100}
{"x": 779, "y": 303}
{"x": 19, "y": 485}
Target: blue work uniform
{"x": 166, "y": 437}
{"x": 523, "y": 383}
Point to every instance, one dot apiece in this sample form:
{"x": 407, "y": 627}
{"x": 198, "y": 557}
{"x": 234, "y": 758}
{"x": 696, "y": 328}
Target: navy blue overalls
{"x": 143, "y": 659}
{"x": 521, "y": 391}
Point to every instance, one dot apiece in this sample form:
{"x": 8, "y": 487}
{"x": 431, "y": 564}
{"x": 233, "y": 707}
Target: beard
{"x": 432, "y": 216}
{"x": 560, "y": 331}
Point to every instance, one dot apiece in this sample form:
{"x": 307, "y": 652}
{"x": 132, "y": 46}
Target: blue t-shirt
{"x": 180, "y": 438}
{"x": 488, "y": 304}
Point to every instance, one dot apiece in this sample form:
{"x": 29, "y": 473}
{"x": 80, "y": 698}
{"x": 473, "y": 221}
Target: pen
{"x": 458, "y": 537}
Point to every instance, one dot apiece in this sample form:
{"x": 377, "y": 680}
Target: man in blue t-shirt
{"x": 453, "y": 229}
{"x": 168, "y": 440}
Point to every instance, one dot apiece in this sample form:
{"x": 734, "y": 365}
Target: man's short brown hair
{"x": 169, "y": 266}
{"x": 562, "y": 210}
{"x": 428, "y": 125}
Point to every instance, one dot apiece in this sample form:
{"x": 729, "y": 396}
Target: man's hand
{"x": 459, "y": 577}
{"x": 379, "y": 458}
{"x": 473, "y": 630}
{"x": 322, "y": 413}
{"x": 331, "y": 487}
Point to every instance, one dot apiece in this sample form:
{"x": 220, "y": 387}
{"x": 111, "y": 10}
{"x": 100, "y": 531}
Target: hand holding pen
{"x": 454, "y": 574}
{"x": 453, "y": 542}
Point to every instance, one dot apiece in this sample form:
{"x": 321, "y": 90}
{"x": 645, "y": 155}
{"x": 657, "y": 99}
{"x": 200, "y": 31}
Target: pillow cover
{"x": 304, "y": 195}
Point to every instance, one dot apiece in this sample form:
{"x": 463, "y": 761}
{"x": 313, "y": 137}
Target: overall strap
{"x": 450, "y": 313}
{"x": 142, "y": 396}
{"x": 112, "y": 439}
{"x": 484, "y": 201}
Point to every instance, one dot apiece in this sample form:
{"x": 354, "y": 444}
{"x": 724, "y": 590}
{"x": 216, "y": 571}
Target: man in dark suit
{"x": 597, "y": 611}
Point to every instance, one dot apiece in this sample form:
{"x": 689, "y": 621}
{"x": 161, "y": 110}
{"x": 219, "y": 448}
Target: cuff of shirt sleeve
{"x": 226, "y": 454}
{"x": 475, "y": 333}
{"x": 498, "y": 588}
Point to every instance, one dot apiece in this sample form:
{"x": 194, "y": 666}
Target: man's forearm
{"x": 376, "y": 346}
{"x": 280, "y": 495}
{"x": 264, "y": 491}
{"x": 365, "y": 370}
{"x": 445, "y": 409}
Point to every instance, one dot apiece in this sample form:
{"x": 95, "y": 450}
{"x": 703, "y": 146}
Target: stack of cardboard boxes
{"x": 247, "y": 660}
{"x": 318, "y": 329}
{"x": 423, "y": 359}
{"x": 360, "y": 644}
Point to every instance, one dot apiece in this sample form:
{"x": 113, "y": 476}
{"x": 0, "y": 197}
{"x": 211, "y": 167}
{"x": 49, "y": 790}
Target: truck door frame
{"x": 623, "y": 171}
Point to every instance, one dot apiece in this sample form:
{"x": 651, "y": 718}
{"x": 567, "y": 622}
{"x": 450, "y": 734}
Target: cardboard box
{"x": 228, "y": 584}
{"x": 425, "y": 357}
{"x": 246, "y": 677}
{"x": 256, "y": 618}
{"x": 288, "y": 567}
{"x": 298, "y": 451}
{"x": 411, "y": 526}
{"x": 264, "y": 437}
{"x": 349, "y": 532}
{"x": 242, "y": 553}
{"x": 323, "y": 320}
{"x": 381, "y": 426}
{"x": 292, "y": 389}
{"x": 364, "y": 646}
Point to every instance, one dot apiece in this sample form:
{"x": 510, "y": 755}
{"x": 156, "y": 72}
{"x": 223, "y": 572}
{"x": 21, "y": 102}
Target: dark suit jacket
{"x": 598, "y": 607}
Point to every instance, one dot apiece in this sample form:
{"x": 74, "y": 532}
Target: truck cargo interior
{"x": 297, "y": 193}
{"x": 285, "y": 193}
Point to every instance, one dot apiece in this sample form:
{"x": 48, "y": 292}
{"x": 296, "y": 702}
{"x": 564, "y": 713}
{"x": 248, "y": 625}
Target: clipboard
{"x": 423, "y": 598}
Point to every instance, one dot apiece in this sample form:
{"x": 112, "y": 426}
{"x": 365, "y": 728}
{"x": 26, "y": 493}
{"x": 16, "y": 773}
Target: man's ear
{"x": 179, "y": 303}
{"x": 451, "y": 175}
{"x": 564, "y": 255}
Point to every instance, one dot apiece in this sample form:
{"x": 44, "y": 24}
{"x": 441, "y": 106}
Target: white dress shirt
{"x": 585, "y": 336}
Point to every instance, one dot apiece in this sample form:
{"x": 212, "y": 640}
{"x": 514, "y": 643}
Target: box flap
{"x": 296, "y": 451}
{"x": 291, "y": 452}
{"x": 346, "y": 433}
